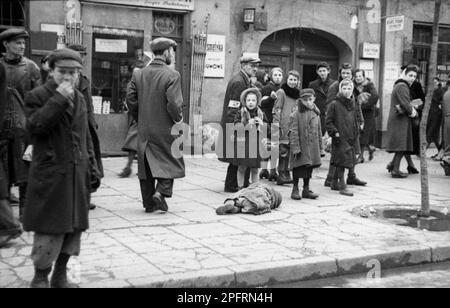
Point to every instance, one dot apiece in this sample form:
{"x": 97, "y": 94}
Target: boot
{"x": 264, "y": 174}
{"x": 308, "y": 194}
{"x": 296, "y": 194}
{"x": 40, "y": 280}
{"x": 353, "y": 180}
{"x": 335, "y": 185}
{"x": 343, "y": 190}
{"x": 273, "y": 177}
{"x": 328, "y": 182}
{"x": 289, "y": 178}
{"x": 59, "y": 278}
{"x": 282, "y": 180}
{"x": 160, "y": 202}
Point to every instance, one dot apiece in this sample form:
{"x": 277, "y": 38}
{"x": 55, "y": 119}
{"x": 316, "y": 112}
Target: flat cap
{"x": 250, "y": 58}
{"x": 80, "y": 48}
{"x": 161, "y": 44}
{"x": 13, "y": 33}
{"x": 65, "y": 58}
{"x": 323, "y": 65}
{"x": 307, "y": 92}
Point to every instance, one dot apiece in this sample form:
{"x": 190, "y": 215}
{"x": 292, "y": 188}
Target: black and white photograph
{"x": 224, "y": 150}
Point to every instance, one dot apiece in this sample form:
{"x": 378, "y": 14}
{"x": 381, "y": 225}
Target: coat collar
{"x": 246, "y": 77}
{"x": 302, "y": 108}
{"x": 347, "y": 102}
{"x": 158, "y": 62}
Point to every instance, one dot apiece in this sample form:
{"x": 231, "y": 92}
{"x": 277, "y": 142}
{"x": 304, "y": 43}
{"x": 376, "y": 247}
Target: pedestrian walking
{"x": 367, "y": 96}
{"x": 249, "y": 139}
{"x": 155, "y": 100}
{"x": 305, "y": 138}
{"x": 344, "y": 123}
{"x": 232, "y": 105}
{"x": 434, "y": 127}
{"x": 9, "y": 227}
{"x": 61, "y": 173}
{"x": 269, "y": 93}
{"x": 446, "y": 131}
{"x": 400, "y": 124}
{"x": 22, "y": 75}
{"x": 285, "y": 105}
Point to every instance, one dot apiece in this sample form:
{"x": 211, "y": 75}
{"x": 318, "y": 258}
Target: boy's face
{"x": 308, "y": 101}
{"x": 323, "y": 73}
{"x": 292, "y": 81}
{"x": 251, "y": 101}
{"x": 64, "y": 74}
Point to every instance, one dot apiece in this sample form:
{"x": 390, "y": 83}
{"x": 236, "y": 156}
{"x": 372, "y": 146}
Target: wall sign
{"x": 371, "y": 50}
{"x": 182, "y": 5}
{"x": 165, "y": 25}
{"x": 111, "y": 46}
{"x": 396, "y": 23}
{"x": 215, "y": 56}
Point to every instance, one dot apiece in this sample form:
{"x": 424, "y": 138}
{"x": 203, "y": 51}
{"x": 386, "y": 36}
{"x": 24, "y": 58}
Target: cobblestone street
{"x": 192, "y": 246}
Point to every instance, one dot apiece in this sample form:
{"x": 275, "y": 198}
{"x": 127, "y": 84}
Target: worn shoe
{"x": 227, "y": 209}
{"x": 40, "y": 280}
{"x": 398, "y": 175}
{"x": 160, "y": 202}
{"x": 125, "y": 173}
{"x": 328, "y": 182}
{"x": 273, "y": 176}
{"x": 372, "y": 151}
{"x": 413, "y": 170}
{"x": 345, "y": 192}
{"x": 335, "y": 185}
{"x": 289, "y": 178}
{"x": 308, "y": 194}
{"x": 296, "y": 194}
{"x": 354, "y": 181}
{"x": 59, "y": 277}
{"x": 264, "y": 174}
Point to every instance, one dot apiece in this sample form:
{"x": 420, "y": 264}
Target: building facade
{"x": 377, "y": 35}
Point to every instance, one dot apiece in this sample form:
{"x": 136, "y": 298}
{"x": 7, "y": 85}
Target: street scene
{"x": 281, "y": 146}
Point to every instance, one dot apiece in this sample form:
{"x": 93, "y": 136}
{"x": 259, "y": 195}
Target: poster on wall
{"x": 215, "y": 56}
{"x": 106, "y": 45}
{"x": 184, "y": 5}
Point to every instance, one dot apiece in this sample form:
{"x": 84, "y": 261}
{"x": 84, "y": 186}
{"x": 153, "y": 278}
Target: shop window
{"x": 115, "y": 55}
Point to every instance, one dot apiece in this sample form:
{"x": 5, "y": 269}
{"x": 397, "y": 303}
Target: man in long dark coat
{"x": 61, "y": 172}
{"x": 232, "y": 105}
{"x": 9, "y": 227}
{"x": 84, "y": 87}
{"x": 156, "y": 102}
{"x": 22, "y": 76}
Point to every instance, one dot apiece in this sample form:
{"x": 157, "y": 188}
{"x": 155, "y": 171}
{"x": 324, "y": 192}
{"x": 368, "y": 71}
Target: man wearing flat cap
{"x": 62, "y": 170}
{"x": 232, "y": 105}
{"x": 155, "y": 101}
{"x": 22, "y": 76}
{"x": 84, "y": 86}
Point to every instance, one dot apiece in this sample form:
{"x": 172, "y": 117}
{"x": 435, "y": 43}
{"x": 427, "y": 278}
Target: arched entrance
{"x": 301, "y": 49}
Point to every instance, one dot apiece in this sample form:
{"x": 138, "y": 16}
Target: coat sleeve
{"x": 331, "y": 120}
{"x": 175, "y": 98}
{"x": 332, "y": 93}
{"x": 132, "y": 97}
{"x": 359, "y": 114}
{"x": 267, "y": 102}
{"x": 374, "y": 97}
{"x": 94, "y": 173}
{"x": 35, "y": 74}
{"x": 43, "y": 116}
{"x": 294, "y": 134}
{"x": 279, "y": 104}
{"x": 402, "y": 94}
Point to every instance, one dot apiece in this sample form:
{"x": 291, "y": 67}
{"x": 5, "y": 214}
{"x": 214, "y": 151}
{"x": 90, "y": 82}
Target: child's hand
{"x": 259, "y": 121}
{"x": 251, "y": 122}
{"x": 274, "y": 95}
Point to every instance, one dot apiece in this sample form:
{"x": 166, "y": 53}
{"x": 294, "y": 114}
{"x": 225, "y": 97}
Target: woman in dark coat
{"x": 343, "y": 125}
{"x": 367, "y": 96}
{"x": 434, "y": 127}
{"x": 269, "y": 96}
{"x": 400, "y": 123}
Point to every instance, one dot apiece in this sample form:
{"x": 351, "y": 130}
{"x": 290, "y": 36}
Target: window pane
{"x": 444, "y": 35}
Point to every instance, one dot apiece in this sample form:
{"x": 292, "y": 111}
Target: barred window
{"x": 12, "y": 13}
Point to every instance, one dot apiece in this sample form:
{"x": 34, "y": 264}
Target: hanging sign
{"x": 396, "y": 23}
{"x": 182, "y": 5}
{"x": 215, "y": 56}
{"x": 111, "y": 46}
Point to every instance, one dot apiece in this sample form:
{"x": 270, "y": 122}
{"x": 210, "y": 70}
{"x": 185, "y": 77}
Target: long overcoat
{"x": 400, "y": 126}
{"x": 231, "y": 107}
{"x": 343, "y": 117}
{"x": 285, "y": 105}
{"x": 368, "y": 109}
{"x": 321, "y": 88}
{"x": 155, "y": 100}
{"x": 61, "y": 170}
{"x": 446, "y": 116}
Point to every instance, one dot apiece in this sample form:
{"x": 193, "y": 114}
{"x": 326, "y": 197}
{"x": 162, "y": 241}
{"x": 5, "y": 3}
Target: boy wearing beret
{"x": 62, "y": 170}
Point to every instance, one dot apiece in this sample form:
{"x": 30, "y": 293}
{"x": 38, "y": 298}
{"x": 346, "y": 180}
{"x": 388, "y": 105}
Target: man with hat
{"x": 84, "y": 86}
{"x": 155, "y": 101}
{"x": 62, "y": 170}
{"x": 226, "y": 148}
{"x": 22, "y": 76}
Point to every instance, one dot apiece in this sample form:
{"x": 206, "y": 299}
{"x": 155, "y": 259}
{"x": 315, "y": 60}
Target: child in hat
{"x": 305, "y": 137}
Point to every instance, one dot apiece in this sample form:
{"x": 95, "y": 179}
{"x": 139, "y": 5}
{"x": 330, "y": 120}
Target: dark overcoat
{"x": 155, "y": 100}
{"x": 321, "y": 88}
{"x": 85, "y": 89}
{"x": 3, "y": 176}
{"x": 343, "y": 117}
{"x": 446, "y": 117}
{"x": 267, "y": 102}
{"x": 400, "y": 126}
{"x": 368, "y": 109}
{"x": 231, "y": 107}
{"x": 305, "y": 136}
{"x": 60, "y": 173}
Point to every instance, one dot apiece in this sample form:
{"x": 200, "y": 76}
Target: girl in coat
{"x": 400, "y": 124}
{"x": 343, "y": 125}
{"x": 248, "y": 139}
{"x": 285, "y": 105}
{"x": 306, "y": 143}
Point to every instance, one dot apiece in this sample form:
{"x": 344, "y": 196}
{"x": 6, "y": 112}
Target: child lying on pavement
{"x": 257, "y": 199}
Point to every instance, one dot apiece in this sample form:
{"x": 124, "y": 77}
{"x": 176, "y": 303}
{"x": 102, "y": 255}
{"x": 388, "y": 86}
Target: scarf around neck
{"x": 292, "y": 93}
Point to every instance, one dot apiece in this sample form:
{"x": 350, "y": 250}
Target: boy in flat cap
{"x": 305, "y": 138}
{"x": 22, "y": 75}
{"x": 62, "y": 170}
{"x": 155, "y": 101}
{"x": 232, "y": 105}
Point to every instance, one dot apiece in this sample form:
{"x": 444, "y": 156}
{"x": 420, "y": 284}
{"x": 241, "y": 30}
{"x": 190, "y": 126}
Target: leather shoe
{"x": 398, "y": 175}
{"x": 354, "y": 181}
{"x": 160, "y": 202}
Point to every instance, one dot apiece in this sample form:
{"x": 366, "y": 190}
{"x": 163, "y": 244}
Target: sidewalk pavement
{"x": 193, "y": 247}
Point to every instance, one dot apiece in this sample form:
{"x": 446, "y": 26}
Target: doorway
{"x": 309, "y": 75}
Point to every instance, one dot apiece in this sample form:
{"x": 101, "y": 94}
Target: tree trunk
{"x": 423, "y": 126}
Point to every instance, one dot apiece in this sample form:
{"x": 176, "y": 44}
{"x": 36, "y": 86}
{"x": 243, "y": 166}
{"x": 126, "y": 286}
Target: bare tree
{"x": 432, "y": 71}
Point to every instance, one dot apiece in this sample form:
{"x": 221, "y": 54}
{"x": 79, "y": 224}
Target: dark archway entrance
{"x": 301, "y": 50}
